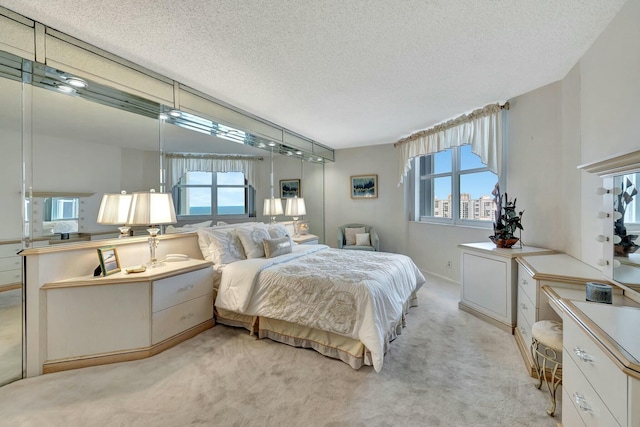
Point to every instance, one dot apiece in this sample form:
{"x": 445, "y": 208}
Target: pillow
{"x": 276, "y": 247}
{"x": 277, "y": 230}
{"x": 362, "y": 239}
{"x": 251, "y": 238}
{"x": 350, "y": 234}
{"x": 198, "y": 225}
{"x": 220, "y": 246}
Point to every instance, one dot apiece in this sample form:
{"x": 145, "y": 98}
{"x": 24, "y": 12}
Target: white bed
{"x": 347, "y": 305}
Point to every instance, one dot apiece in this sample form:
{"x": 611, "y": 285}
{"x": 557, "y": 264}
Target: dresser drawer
{"x": 527, "y": 307}
{"x": 528, "y": 284}
{"x": 10, "y": 250}
{"x": 11, "y": 263}
{"x": 524, "y": 327}
{"x": 570, "y": 415}
{"x": 178, "y": 318}
{"x": 600, "y": 371}
{"x": 175, "y": 290}
{"x": 583, "y": 397}
{"x": 11, "y": 276}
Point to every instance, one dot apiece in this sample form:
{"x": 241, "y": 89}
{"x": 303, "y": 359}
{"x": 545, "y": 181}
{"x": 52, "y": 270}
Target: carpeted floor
{"x": 448, "y": 368}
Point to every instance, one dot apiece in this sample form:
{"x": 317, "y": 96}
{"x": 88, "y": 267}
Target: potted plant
{"x": 626, "y": 245}
{"x": 506, "y": 221}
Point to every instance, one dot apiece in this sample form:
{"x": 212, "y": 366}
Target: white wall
{"x": 591, "y": 114}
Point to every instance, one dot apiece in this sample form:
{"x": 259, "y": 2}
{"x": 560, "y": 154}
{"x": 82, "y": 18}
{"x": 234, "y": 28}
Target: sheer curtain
{"x": 482, "y": 129}
{"x": 179, "y": 164}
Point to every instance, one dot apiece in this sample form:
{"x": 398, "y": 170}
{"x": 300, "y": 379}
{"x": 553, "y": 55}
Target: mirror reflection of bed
{"x": 81, "y": 150}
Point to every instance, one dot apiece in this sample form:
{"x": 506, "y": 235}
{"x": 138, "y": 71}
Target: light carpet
{"x": 447, "y": 368}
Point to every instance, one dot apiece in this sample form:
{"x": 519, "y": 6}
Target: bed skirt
{"x": 349, "y": 350}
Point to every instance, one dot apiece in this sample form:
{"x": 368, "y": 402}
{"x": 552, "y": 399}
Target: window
{"x": 213, "y": 194}
{"x": 454, "y": 186}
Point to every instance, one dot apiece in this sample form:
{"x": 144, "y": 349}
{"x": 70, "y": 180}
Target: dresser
{"x": 126, "y": 316}
{"x": 489, "y": 281}
{"x": 10, "y": 265}
{"x": 601, "y": 364}
{"x": 560, "y": 271}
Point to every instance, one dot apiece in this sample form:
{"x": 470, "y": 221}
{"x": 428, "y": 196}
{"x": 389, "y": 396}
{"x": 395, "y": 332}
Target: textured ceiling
{"x": 345, "y": 73}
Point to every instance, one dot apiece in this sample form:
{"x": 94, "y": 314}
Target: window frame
{"x": 249, "y": 196}
{"x": 455, "y": 173}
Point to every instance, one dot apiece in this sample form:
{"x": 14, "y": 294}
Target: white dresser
{"x": 126, "y": 316}
{"x": 10, "y": 265}
{"x": 601, "y": 369}
{"x": 557, "y": 270}
{"x": 489, "y": 281}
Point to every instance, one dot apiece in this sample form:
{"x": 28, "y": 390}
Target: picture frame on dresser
{"x": 109, "y": 261}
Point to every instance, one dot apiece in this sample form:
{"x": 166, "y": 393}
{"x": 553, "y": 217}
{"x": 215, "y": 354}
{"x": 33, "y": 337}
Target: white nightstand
{"x": 306, "y": 239}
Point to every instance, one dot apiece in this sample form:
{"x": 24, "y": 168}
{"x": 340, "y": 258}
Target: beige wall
{"x": 588, "y": 115}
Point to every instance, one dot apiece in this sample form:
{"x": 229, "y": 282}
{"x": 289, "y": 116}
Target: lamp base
{"x": 124, "y": 231}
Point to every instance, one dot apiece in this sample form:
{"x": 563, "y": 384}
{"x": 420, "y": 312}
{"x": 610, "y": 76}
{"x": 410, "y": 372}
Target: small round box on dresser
{"x": 546, "y": 350}
{"x": 598, "y": 292}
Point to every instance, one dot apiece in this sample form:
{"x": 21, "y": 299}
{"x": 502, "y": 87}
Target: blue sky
{"x": 478, "y": 184}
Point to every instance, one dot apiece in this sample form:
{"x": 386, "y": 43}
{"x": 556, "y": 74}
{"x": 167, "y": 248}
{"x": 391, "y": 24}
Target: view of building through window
{"x": 479, "y": 209}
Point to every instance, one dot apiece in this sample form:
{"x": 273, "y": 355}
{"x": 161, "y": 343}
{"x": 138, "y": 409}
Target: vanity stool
{"x": 546, "y": 350}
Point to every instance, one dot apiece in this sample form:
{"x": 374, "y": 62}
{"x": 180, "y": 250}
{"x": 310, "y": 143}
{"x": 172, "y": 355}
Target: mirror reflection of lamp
{"x": 273, "y": 205}
{"x": 295, "y": 209}
{"x": 152, "y": 209}
{"x": 114, "y": 210}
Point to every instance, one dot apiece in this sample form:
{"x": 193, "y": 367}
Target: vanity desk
{"x": 601, "y": 363}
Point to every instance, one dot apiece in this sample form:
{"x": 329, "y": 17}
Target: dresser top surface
{"x": 561, "y": 267}
{"x": 619, "y": 323}
{"x": 514, "y": 252}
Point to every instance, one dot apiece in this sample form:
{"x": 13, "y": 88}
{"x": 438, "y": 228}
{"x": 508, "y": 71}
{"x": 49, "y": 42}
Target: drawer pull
{"x": 524, "y": 282}
{"x": 187, "y": 316}
{"x": 185, "y": 288}
{"x": 582, "y": 402}
{"x": 523, "y": 331}
{"x": 583, "y": 355}
{"x": 523, "y": 306}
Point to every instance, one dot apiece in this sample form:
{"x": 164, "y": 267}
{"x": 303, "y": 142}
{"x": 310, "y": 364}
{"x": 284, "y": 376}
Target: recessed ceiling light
{"x": 175, "y": 113}
{"x": 272, "y": 144}
{"x": 261, "y": 145}
{"x": 66, "y": 89}
{"x": 298, "y": 152}
{"x": 163, "y": 116}
{"x": 76, "y": 82}
{"x": 289, "y": 153}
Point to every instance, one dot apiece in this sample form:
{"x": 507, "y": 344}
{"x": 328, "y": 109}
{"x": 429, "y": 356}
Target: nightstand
{"x": 120, "y": 317}
{"x": 306, "y": 239}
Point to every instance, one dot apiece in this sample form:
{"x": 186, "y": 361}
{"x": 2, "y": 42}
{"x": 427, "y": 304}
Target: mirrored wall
{"x": 63, "y": 150}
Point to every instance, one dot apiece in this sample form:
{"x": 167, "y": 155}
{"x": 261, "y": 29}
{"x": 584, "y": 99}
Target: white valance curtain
{"x": 179, "y": 164}
{"x": 482, "y": 129}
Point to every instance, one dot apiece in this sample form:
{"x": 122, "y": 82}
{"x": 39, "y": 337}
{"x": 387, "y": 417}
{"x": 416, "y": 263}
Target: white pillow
{"x": 362, "y": 239}
{"x": 220, "y": 246}
{"x": 277, "y": 230}
{"x": 198, "y": 225}
{"x": 350, "y": 234}
{"x": 277, "y": 247}
{"x": 252, "y": 238}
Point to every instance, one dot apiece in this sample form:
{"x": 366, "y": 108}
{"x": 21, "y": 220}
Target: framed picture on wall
{"x": 290, "y": 188}
{"x": 109, "y": 262}
{"x": 364, "y": 186}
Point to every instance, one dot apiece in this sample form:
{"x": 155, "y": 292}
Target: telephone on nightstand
{"x": 176, "y": 257}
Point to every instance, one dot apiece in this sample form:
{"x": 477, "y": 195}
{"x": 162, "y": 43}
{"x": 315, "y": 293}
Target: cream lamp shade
{"x": 114, "y": 210}
{"x": 151, "y": 208}
{"x": 272, "y": 208}
{"x": 295, "y": 207}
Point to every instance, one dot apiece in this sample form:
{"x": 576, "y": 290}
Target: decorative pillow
{"x": 251, "y": 238}
{"x": 363, "y": 239}
{"x": 220, "y": 246}
{"x": 277, "y": 247}
{"x": 277, "y": 230}
{"x": 350, "y": 234}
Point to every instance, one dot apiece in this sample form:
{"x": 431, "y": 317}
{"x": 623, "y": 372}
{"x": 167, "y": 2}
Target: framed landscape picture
{"x": 364, "y": 186}
{"x": 109, "y": 261}
{"x": 289, "y": 188}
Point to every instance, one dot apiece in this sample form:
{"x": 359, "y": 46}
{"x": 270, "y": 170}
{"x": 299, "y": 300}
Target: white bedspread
{"x": 357, "y": 294}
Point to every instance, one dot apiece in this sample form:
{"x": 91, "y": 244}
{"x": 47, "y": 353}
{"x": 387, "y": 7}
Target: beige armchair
{"x": 347, "y": 239}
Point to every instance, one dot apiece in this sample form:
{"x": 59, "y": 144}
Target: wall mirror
{"x": 63, "y": 150}
{"x": 626, "y": 229}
